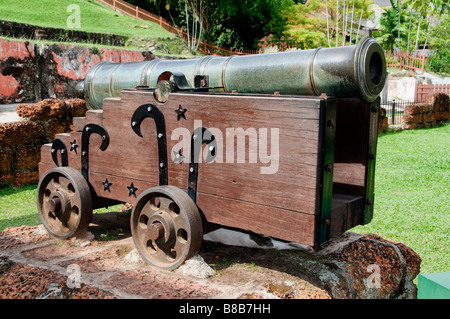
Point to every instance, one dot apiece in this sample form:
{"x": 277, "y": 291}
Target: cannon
{"x": 281, "y": 145}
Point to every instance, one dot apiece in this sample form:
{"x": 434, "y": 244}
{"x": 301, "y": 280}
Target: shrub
{"x": 439, "y": 62}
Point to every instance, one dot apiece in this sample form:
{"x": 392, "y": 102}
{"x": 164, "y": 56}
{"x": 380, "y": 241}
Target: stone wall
{"x": 20, "y": 142}
{"x": 431, "y": 113}
{"x": 31, "y": 72}
{"x": 18, "y": 30}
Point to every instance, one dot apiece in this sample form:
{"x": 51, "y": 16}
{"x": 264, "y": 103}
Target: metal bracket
{"x": 59, "y": 145}
{"x": 328, "y": 135}
{"x": 201, "y": 82}
{"x": 87, "y": 131}
{"x": 179, "y": 79}
{"x": 369, "y": 195}
{"x": 200, "y": 136}
{"x": 150, "y": 110}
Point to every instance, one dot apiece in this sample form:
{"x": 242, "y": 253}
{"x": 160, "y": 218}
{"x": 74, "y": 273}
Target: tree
{"x": 391, "y": 28}
{"x": 331, "y": 22}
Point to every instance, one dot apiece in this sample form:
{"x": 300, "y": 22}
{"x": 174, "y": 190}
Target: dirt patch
{"x": 152, "y": 285}
{"x": 107, "y": 265}
{"x": 33, "y": 262}
{"x": 18, "y": 281}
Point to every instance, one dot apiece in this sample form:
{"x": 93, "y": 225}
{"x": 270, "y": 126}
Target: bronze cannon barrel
{"x": 348, "y": 71}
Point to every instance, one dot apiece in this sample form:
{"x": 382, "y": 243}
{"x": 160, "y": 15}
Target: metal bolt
{"x": 160, "y": 135}
{"x": 211, "y": 148}
{"x": 330, "y": 123}
{"x": 372, "y": 156}
{"x": 149, "y": 109}
{"x": 87, "y": 129}
{"x": 83, "y": 153}
{"x": 328, "y": 168}
{"x": 53, "y": 150}
{"x": 63, "y": 151}
{"x": 326, "y": 222}
{"x": 133, "y": 123}
{"x": 104, "y": 137}
{"x": 194, "y": 137}
{"x": 161, "y": 165}
{"x": 369, "y": 201}
{"x": 191, "y": 170}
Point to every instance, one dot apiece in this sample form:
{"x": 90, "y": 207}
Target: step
{"x": 91, "y": 116}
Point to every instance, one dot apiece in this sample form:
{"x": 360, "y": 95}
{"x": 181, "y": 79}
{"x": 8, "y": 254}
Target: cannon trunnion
{"x": 296, "y": 168}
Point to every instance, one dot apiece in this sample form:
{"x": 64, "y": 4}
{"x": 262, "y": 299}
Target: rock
{"x": 82, "y": 240}
{"x": 5, "y": 264}
{"x": 132, "y": 257}
{"x": 54, "y": 292}
{"x": 40, "y": 231}
{"x": 196, "y": 267}
{"x": 363, "y": 266}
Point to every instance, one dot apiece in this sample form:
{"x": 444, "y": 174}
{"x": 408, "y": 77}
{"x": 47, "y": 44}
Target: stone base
{"x": 364, "y": 266}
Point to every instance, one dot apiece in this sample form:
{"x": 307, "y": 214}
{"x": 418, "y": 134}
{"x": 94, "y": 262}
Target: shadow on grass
{"x": 28, "y": 220}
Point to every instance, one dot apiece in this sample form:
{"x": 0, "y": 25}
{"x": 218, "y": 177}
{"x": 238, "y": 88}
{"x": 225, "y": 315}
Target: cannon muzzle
{"x": 348, "y": 71}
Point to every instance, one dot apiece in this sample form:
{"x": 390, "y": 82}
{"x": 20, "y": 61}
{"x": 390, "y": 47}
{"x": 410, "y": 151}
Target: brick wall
{"x": 430, "y": 113}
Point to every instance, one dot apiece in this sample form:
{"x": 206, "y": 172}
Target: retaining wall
{"x": 20, "y": 142}
{"x": 31, "y": 72}
{"x": 430, "y": 113}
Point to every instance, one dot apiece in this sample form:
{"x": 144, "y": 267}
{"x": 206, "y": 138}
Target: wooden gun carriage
{"x": 190, "y": 149}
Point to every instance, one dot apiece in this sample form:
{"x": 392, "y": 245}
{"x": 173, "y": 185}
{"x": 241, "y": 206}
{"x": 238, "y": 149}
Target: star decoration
{"x": 73, "y": 146}
{"x": 132, "y": 190}
{"x": 106, "y": 185}
{"x": 180, "y": 112}
{"x": 178, "y": 157}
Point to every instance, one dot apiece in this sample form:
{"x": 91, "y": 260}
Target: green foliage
{"x": 230, "y": 23}
{"x": 439, "y": 62}
{"x": 440, "y": 33}
{"x": 244, "y": 22}
{"x": 307, "y": 24}
{"x": 390, "y": 28}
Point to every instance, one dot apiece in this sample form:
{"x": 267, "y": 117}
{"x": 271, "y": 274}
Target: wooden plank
{"x": 278, "y": 223}
{"x": 118, "y": 189}
{"x": 78, "y": 123}
{"x": 43, "y": 167}
{"x": 134, "y": 157}
{"x": 349, "y": 173}
{"x": 94, "y": 116}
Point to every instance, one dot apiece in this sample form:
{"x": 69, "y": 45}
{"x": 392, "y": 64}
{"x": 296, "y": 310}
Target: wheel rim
{"x": 166, "y": 227}
{"x": 64, "y": 202}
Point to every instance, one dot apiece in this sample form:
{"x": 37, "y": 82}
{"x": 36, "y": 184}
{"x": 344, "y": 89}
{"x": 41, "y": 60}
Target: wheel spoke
{"x": 180, "y": 246}
{"x": 165, "y": 203}
{"x": 72, "y": 217}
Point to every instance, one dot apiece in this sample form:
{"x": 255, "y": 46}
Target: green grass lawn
{"x": 95, "y": 17}
{"x": 411, "y": 195}
{"x": 412, "y": 182}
